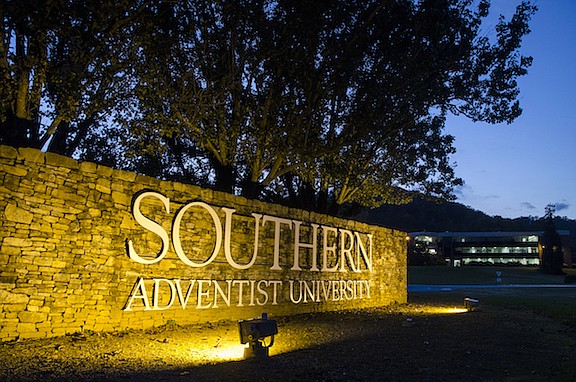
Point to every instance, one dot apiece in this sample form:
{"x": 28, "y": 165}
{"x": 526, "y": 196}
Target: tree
{"x": 552, "y": 254}
{"x": 228, "y": 83}
{"x": 62, "y": 64}
{"x": 443, "y": 65}
{"x": 345, "y": 98}
{"x": 318, "y": 104}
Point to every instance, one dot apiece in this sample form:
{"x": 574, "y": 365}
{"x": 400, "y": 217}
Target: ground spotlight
{"x": 254, "y": 332}
{"x": 471, "y": 304}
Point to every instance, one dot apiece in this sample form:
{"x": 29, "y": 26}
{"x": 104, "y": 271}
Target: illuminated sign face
{"x": 346, "y": 245}
{"x": 352, "y": 251}
{"x": 204, "y": 294}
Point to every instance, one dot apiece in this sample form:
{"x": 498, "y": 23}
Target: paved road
{"x": 439, "y": 288}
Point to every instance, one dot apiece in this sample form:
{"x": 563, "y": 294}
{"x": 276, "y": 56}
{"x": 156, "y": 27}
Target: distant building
{"x": 481, "y": 248}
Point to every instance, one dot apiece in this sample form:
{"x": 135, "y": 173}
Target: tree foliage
{"x": 317, "y": 104}
{"x": 552, "y": 253}
{"x": 61, "y": 64}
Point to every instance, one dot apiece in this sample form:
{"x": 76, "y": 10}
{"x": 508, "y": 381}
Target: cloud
{"x": 528, "y": 206}
{"x": 461, "y": 191}
{"x": 561, "y": 206}
{"x": 467, "y": 193}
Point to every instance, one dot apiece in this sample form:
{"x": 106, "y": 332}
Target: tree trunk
{"x": 250, "y": 189}
{"x": 322, "y": 204}
{"x": 225, "y": 177}
{"x": 58, "y": 144}
{"x": 17, "y": 132}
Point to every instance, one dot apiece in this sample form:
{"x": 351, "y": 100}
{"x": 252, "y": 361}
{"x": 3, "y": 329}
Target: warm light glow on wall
{"x": 184, "y": 348}
{"x": 440, "y": 310}
{"x": 227, "y": 353}
{"x": 202, "y": 352}
{"x": 454, "y": 310}
{"x": 228, "y": 349}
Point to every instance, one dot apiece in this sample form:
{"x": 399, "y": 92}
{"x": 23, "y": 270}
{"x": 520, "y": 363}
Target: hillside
{"x": 425, "y": 215}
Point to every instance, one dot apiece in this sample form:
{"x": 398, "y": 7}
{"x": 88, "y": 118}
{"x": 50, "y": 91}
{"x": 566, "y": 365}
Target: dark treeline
{"x": 316, "y": 104}
{"x": 425, "y": 215}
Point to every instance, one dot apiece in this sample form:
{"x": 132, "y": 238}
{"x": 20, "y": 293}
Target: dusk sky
{"x": 516, "y": 170}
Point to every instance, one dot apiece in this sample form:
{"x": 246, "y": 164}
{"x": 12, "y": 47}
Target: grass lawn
{"x": 481, "y": 275}
{"x": 557, "y": 303}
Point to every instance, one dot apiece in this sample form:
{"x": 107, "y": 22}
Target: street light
{"x": 254, "y": 332}
{"x": 471, "y": 304}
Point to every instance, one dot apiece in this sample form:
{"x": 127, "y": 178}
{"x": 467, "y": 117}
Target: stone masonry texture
{"x": 65, "y": 268}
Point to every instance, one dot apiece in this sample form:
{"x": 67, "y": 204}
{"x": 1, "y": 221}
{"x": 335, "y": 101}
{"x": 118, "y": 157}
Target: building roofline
{"x": 484, "y": 234}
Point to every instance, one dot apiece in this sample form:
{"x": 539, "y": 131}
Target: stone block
{"x": 60, "y": 227}
{"x": 104, "y": 171}
{"x": 43, "y": 261}
{"x": 31, "y": 155}
{"x": 67, "y": 196}
{"x": 8, "y": 152}
{"x": 59, "y": 264}
{"x": 121, "y": 198}
{"x": 61, "y": 278}
{"x": 88, "y": 167}
{"x": 9, "y": 252}
{"x": 13, "y": 170}
{"x": 33, "y": 335}
{"x": 61, "y": 161}
{"x": 103, "y": 189}
{"x": 124, "y": 175}
{"x": 94, "y": 212}
{"x": 7, "y": 297}
{"x": 20, "y": 242}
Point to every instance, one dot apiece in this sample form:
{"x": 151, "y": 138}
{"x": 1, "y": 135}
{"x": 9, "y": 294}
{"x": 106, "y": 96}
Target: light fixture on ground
{"x": 255, "y": 331}
{"x": 471, "y": 304}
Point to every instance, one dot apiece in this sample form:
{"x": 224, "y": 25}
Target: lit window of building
{"x": 480, "y": 248}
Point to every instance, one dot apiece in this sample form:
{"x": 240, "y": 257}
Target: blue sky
{"x": 516, "y": 170}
